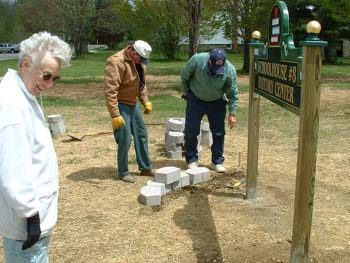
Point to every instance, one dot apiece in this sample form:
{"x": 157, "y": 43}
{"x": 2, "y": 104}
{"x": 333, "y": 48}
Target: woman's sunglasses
{"x": 47, "y": 76}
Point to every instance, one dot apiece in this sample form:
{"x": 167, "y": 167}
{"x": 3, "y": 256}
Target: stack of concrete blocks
{"x": 174, "y": 137}
{"x": 56, "y": 125}
{"x": 170, "y": 178}
{"x": 206, "y": 136}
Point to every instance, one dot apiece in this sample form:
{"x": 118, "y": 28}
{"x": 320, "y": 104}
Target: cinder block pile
{"x": 170, "y": 178}
{"x": 175, "y": 137}
{"x": 56, "y": 125}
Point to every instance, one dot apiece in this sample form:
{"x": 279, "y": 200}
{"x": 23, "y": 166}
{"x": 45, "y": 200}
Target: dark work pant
{"x": 216, "y": 112}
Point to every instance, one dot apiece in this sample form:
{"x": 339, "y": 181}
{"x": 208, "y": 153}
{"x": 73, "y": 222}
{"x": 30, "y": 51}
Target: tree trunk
{"x": 194, "y": 8}
{"x": 246, "y": 55}
{"x": 235, "y": 48}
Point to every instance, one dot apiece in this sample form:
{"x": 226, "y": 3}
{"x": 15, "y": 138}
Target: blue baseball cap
{"x": 217, "y": 60}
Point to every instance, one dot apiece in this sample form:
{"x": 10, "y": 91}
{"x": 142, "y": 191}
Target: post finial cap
{"x": 313, "y": 27}
{"x": 256, "y": 35}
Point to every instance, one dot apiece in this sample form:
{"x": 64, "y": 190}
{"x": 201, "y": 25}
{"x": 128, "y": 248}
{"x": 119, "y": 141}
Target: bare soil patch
{"x": 101, "y": 220}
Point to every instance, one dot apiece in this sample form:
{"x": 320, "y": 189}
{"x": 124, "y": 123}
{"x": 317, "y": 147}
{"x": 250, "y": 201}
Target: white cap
{"x": 143, "y": 49}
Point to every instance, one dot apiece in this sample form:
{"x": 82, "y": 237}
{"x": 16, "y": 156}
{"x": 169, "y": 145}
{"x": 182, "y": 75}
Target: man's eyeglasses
{"x": 47, "y": 76}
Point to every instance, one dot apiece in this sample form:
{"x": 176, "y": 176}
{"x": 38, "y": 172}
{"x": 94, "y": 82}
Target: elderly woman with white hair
{"x": 28, "y": 162}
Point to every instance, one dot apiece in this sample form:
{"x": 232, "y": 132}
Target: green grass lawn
{"x": 90, "y": 68}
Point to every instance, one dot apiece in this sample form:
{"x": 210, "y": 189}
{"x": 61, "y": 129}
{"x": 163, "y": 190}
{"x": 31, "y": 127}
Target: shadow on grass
{"x": 94, "y": 173}
{"x": 196, "y": 218}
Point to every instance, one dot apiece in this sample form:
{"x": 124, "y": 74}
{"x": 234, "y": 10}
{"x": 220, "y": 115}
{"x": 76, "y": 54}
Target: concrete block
{"x": 56, "y": 125}
{"x": 150, "y": 195}
{"x": 174, "y": 155}
{"x": 175, "y": 137}
{"x": 205, "y": 126}
{"x": 173, "y": 147}
{"x": 168, "y": 188}
{"x": 156, "y": 184}
{"x": 177, "y": 176}
{"x": 167, "y": 175}
{"x": 176, "y": 185}
{"x": 54, "y": 118}
{"x": 195, "y": 175}
{"x": 199, "y": 175}
{"x": 206, "y": 138}
{"x": 206, "y": 175}
{"x": 184, "y": 179}
{"x": 175, "y": 124}
{"x": 199, "y": 149}
{"x": 57, "y": 130}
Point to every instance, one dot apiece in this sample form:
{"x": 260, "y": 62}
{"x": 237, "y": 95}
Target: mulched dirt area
{"x": 101, "y": 220}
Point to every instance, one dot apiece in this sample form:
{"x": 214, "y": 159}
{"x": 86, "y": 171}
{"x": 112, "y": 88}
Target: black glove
{"x": 34, "y": 231}
{"x": 184, "y": 96}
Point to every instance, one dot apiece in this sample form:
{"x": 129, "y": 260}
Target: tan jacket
{"x": 122, "y": 82}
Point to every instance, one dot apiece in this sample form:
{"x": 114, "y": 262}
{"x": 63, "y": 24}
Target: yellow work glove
{"x": 148, "y": 107}
{"x": 118, "y": 122}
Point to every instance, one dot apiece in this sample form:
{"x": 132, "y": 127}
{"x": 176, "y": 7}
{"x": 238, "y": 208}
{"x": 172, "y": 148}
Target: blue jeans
{"x": 135, "y": 127}
{"x": 38, "y": 253}
{"x": 216, "y": 112}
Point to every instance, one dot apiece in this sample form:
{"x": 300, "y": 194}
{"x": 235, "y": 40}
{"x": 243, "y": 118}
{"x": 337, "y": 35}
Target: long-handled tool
{"x": 240, "y": 182}
{"x": 237, "y": 184}
{"x": 75, "y": 138}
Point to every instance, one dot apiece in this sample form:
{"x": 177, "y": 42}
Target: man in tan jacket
{"x": 125, "y": 84}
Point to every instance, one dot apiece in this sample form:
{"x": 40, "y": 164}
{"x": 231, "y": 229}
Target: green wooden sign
{"x": 278, "y": 63}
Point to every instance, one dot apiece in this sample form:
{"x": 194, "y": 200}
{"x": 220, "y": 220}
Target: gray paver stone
{"x": 185, "y": 179}
{"x": 156, "y": 184}
{"x": 167, "y": 175}
{"x": 150, "y": 195}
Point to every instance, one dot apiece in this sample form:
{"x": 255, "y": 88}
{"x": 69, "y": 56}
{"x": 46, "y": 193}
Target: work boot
{"x": 147, "y": 172}
{"x": 128, "y": 178}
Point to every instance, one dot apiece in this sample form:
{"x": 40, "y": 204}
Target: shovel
{"x": 75, "y": 138}
{"x": 240, "y": 182}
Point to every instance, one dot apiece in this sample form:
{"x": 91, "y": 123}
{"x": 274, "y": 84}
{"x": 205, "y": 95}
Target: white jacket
{"x": 28, "y": 162}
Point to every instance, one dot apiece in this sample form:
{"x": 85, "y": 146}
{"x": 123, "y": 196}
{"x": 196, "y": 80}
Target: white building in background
{"x": 218, "y": 40}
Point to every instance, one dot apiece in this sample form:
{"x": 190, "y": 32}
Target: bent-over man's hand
{"x": 34, "y": 231}
{"x": 148, "y": 107}
{"x": 118, "y": 122}
{"x": 232, "y": 121}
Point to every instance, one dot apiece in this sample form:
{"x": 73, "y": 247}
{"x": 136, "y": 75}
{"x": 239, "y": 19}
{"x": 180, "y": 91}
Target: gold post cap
{"x": 313, "y": 27}
{"x": 256, "y": 35}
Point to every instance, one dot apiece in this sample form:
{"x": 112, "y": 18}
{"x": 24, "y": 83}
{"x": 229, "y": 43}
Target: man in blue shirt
{"x": 210, "y": 83}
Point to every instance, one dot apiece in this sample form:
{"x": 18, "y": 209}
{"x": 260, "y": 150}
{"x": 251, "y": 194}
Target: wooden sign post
{"x": 308, "y": 137}
{"x": 289, "y": 77}
{"x": 253, "y": 122}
